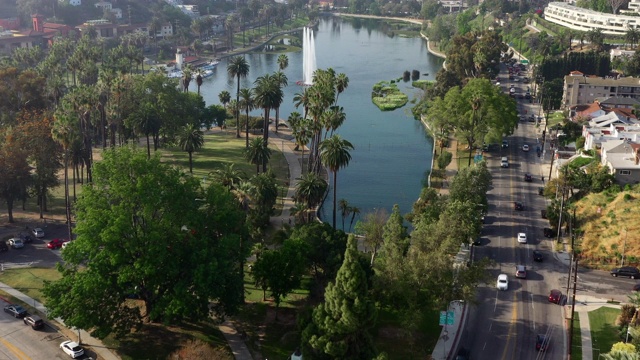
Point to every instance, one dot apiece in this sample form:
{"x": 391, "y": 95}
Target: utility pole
{"x": 573, "y": 306}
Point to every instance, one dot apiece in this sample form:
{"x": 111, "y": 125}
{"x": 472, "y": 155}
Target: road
{"x": 19, "y": 342}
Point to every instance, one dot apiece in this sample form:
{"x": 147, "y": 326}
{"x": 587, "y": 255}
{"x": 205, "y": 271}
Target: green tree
{"x": 281, "y": 270}
{"x": 335, "y": 155}
{"x": 147, "y": 230}
{"x": 268, "y": 95}
{"x": 238, "y": 68}
{"x": 310, "y": 190}
{"x": 191, "y": 139}
{"x": 372, "y": 229}
{"x": 16, "y": 172}
{"x": 326, "y": 249}
{"x": 444, "y": 160}
{"x": 258, "y": 153}
{"x": 341, "y": 326}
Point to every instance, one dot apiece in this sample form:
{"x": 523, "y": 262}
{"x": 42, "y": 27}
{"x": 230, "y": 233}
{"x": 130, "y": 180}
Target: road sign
{"x": 477, "y": 159}
{"x": 446, "y": 318}
{"x": 524, "y": 62}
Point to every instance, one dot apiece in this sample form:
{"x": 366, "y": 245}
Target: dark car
{"x": 26, "y": 238}
{"x": 542, "y": 342}
{"x": 540, "y": 191}
{"x": 537, "y": 256}
{"x": 34, "y": 321}
{"x": 636, "y": 287}
{"x": 628, "y": 271}
{"x": 15, "y": 310}
{"x": 543, "y": 214}
{"x": 554, "y": 296}
{"x": 548, "y": 233}
{"x": 518, "y": 206}
{"x": 528, "y": 178}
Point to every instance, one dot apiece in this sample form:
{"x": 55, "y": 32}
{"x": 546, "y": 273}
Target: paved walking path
{"x": 585, "y": 333}
{"x": 284, "y": 141}
{"x": 96, "y": 345}
{"x": 235, "y": 341}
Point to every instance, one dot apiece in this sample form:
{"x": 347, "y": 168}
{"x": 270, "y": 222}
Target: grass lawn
{"x": 604, "y": 332}
{"x": 576, "y": 338}
{"x": 29, "y": 280}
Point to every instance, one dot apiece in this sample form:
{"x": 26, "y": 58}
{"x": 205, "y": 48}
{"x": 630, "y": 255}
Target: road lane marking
{"x": 17, "y": 352}
{"x": 514, "y": 318}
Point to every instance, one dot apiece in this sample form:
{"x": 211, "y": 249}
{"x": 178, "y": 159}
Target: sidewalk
{"x": 284, "y": 141}
{"x": 450, "y": 334}
{"x": 96, "y": 345}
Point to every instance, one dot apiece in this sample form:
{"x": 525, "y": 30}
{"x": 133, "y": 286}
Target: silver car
{"x": 16, "y": 243}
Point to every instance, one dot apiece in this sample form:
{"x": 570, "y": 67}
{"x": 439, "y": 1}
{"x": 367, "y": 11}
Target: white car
{"x": 522, "y": 238}
{"x": 16, "y": 243}
{"x": 65, "y": 244}
{"x": 38, "y": 232}
{"x": 525, "y": 147}
{"x": 503, "y": 282}
{"x": 72, "y": 349}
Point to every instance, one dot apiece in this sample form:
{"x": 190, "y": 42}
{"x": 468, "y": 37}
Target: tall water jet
{"x": 308, "y": 56}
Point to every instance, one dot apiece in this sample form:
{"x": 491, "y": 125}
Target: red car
{"x": 555, "y": 296}
{"x": 55, "y": 244}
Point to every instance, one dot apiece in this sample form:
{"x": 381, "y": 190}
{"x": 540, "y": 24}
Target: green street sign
{"x": 450, "y": 317}
{"x": 524, "y": 62}
{"x": 446, "y": 318}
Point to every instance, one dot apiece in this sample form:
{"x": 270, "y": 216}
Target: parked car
{"x": 34, "y": 321}
{"x": 503, "y": 282}
{"x": 555, "y": 296}
{"x": 540, "y": 191}
{"x": 628, "y": 271}
{"x": 521, "y": 271}
{"x": 522, "y": 238}
{"x": 518, "y": 206}
{"x": 525, "y": 148}
{"x": 528, "y": 178}
{"x": 15, "y": 310}
{"x": 537, "y": 256}
{"x": 26, "y": 238}
{"x": 542, "y": 342}
{"x": 548, "y": 233}
{"x": 38, "y": 233}
{"x": 55, "y": 244}
{"x": 16, "y": 243}
{"x": 543, "y": 214}
{"x": 72, "y": 349}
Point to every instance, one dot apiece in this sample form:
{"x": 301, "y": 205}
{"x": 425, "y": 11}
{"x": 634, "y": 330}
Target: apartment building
{"x": 585, "y": 89}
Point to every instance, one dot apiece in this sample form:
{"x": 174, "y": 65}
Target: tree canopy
{"x": 147, "y": 231}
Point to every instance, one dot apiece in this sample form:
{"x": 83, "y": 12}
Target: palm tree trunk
{"x": 66, "y": 192}
{"x": 148, "y": 148}
{"x": 335, "y": 187}
{"x": 190, "y": 162}
{"x": 247, "y": 128}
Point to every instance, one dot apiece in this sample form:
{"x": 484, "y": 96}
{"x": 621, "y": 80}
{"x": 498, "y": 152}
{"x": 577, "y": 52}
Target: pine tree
{"x": 340, "y": 326}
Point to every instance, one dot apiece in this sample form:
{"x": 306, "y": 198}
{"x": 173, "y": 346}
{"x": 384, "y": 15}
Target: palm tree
{"x": 354, "y": 212}
{"x": 228, "y": 176}
{"x": 301, "y": 129}
{"x": 268, "y": 95}
{"x": 342, "y": 82}
{"x": 199, "y": 79}
{"x": 334, "y": 153}
{"x": 632, "y": 36}
{"x": 187, "y": 76}
{"x": 345, "y": 210}
{"x": 310, "y": 189}
{"x": 258, "y": 153}
{"x": 64, "y": 132}
{"x": 239, "y": 68}
{"x": 283, "y": 62}
{"x": 281, "y": 79}
{"x": 247, "y": 102}
{"x": 224, "y": 97}
{"x": 190, "y": 139}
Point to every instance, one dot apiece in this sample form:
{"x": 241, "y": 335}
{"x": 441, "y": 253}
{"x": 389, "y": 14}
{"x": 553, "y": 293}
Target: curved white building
{"x": 581, "y": 19}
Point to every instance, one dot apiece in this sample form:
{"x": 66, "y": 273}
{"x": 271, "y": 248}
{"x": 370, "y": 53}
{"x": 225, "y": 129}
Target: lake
{"x": 392, "y": 150}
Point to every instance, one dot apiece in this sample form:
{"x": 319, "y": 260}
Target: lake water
{"x": 392, "y": 150}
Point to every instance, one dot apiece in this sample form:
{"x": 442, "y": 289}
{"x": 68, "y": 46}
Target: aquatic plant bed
{"x": 386, "y": 96}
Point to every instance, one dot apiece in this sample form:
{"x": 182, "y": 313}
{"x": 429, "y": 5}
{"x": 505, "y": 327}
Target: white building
{"x": 104, "y": 5}
{"x": 72, "y": 2}
{"x": 581, "y": 19}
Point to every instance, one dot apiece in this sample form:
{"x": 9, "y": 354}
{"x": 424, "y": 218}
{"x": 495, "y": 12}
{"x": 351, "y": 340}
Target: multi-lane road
{"x": 504, "y": 324}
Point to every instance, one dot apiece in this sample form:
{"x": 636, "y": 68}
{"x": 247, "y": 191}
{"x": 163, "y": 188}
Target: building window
{"x": 624, "y": 172}
{"x": 606, "y": 88}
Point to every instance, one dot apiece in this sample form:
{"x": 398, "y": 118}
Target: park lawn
{"x": 398, "y": 343}
{"x": 576, "y": 338}
{"x": 29, "y": 280}
{"x": 604, "y": 331}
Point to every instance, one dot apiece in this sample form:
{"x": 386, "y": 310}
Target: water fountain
{"x": 308, "y": 56}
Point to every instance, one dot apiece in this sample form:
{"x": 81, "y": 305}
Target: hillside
{"x": 610, "y": 225}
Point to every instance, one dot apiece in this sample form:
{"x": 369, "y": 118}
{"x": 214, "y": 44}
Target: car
{"x": 3, "y": 246}
{"x": 518, "y": 206}
{"x": 636, "y": 287}
{"x": 16, "y": 243}
{"x": 540, "y": 191}
{"x": 548, "y": 233}
{"x": 543, "y": 214}
{"x": 64, "y": 244}
{"x": 505, "y": 144}
{"x": 515, "y": 79}
{"x": 477, "y": 241}
{"x": 38, "y": 233}
{"x": 628, "y": 271}
{"x": 537, "y": 256}
{"x": 525, "y": 147}
{"x": 555, "y": 296}
{"x": 26, "y": 238}
{"x": 525, "y": 80}
{"x": 527, "y": 96}
{"x": 34, "y": 321}
{"x": 72, "y": 348}
{"x": 542, "y": 342}
{"x": 521, "y": 271}
{"x": 15, "y": 310}
{"x": 522, "y": 238}
{"x": 528, "y": 178}
{"x": 55, "y": 244}
{"x": 504, "y": 163}
{"x": 503, "y": 282}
